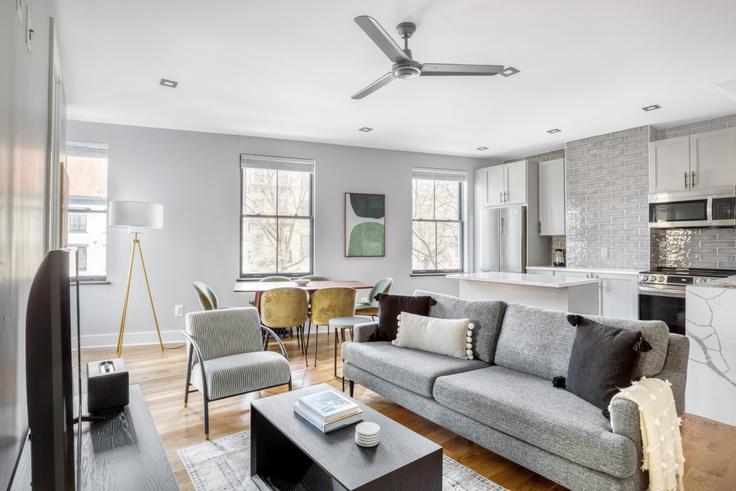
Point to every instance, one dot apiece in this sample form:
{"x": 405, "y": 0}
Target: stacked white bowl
{"x": 367, "y": 434}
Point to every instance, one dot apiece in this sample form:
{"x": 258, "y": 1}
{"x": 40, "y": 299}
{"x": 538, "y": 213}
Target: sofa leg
{"x": 289, "y": 384}
{"x": 351, "y": 387}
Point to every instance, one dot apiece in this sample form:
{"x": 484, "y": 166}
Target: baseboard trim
{"x": 131, "y": 339}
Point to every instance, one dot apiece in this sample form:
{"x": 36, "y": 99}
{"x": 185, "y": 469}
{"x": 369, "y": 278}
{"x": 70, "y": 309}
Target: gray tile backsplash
{"x": 606, "y": 203}
{"x": 694, "y": 248}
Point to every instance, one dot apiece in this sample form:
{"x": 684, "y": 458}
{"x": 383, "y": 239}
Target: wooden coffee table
{"x": 287, "y": 452}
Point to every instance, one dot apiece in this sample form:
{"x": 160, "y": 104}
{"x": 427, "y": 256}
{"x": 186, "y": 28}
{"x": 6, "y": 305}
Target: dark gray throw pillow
{"x": 601, "y": 361}
{"x": 389, "y": 308}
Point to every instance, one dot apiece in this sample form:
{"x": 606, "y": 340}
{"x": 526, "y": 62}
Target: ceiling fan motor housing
{"x": 407, "y": 69}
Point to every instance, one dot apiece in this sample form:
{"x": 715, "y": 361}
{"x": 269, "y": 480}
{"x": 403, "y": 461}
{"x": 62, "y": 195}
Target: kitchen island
{"x": 579, "y": 295}
{"x": 711, "y": 374}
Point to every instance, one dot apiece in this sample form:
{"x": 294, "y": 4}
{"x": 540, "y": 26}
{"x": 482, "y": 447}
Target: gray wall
{"x": 23, "y": 120}
{"x": 196, "y": 177}
{"x": 606, "y": 204}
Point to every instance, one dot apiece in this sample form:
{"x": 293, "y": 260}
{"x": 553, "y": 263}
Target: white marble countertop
{"x": 587, "y": 270}
{"x": 534, "y": 280}
{"x": 729, "y": 282}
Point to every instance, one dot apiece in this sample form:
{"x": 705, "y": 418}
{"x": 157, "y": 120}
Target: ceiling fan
{"x": 404, "y": 66}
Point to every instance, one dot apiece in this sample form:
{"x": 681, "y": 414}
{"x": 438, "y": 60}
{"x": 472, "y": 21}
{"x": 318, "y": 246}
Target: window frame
{"x": 80, "y": 148}
{"x": 242, "y": 276}
{"x": 461, "y": 181}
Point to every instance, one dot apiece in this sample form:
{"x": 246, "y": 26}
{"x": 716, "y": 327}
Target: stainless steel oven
{"x": 714, "y": 208}
{"x": 662, "y": 293}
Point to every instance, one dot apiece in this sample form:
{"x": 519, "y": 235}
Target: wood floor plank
{"x": 710, "y": 447}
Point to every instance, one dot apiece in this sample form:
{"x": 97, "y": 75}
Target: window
{"x": 276, "y": 216}
{"x": 86, "y": 166}
{"x": 437, "y": 221}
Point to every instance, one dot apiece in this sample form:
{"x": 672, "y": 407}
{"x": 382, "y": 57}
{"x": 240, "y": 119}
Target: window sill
{"x": 94, "y": 282}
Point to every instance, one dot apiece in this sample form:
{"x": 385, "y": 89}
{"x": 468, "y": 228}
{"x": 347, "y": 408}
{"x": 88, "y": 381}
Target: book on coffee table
{"x": 328, "y": 410}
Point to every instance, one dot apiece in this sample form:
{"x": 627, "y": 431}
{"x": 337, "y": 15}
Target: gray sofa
{"x": 504, "y": 400}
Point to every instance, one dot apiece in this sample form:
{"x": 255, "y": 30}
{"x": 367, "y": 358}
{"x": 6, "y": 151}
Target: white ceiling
{"x": 287, "y": 68}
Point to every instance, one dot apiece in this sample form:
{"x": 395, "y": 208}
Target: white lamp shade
{"x": 136, "y": 215}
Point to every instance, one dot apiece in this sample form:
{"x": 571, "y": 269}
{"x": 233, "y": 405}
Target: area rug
{"x": 224, "y": 464}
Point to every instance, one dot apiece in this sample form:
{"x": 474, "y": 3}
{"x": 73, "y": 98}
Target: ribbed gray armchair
{"x": 226, "y": 356}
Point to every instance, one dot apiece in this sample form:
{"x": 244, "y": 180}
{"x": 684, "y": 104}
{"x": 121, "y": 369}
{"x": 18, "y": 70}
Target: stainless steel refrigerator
{"x": 503, "y": 239}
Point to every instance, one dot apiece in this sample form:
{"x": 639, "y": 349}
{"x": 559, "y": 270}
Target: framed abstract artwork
{"x": 365, "y": 225}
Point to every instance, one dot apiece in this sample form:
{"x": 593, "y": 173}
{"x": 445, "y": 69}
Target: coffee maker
{"x": 558, "y": 257}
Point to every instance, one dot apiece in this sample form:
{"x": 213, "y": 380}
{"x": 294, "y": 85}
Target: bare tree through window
{"x": 437, "y": 224}
{"x": 277, "y": 220}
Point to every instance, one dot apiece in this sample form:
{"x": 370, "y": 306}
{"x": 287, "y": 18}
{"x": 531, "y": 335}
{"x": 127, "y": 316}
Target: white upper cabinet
{"x": 713, "y": 159}
{"x": 669, "y": 165}
{"x": 496, "y": 187}
{"x": 504, "y": 184}
{"x": 515, "y": 183}
{"x": 701, "y": 161}
{"x": 552, "y": 197}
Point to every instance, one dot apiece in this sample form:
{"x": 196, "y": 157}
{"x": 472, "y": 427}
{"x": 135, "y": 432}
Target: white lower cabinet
{"x": 618, "y": 292}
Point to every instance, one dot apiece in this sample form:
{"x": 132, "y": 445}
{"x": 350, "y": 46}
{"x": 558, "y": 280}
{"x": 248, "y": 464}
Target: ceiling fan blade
{"x": 443, "y": 69}
{"x": 374, "y": 86}
{"x": 382, "y": 39}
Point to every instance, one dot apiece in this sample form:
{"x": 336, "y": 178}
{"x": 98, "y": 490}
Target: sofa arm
{"x": 363, "y": 332}
{"x": 625, "y": 420}
{"x": 675, "y": 368}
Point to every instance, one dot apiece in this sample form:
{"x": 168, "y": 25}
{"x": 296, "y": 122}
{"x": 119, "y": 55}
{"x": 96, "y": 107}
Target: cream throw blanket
{"x": 660, "y": 432}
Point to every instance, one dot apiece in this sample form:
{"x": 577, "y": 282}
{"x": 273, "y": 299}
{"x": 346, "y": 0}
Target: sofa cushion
{"x": 539, "y": 342}
{"x": 412, "y": 370}
{"x": 530, "y": 409}
{"x": 535, "y": 341}
{"x": 389, "y": 308}
{"x": 486, "y": 315}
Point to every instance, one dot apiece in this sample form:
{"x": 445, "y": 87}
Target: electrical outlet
{"x": 604, "y": 251}
{"x": 178, "y": 311}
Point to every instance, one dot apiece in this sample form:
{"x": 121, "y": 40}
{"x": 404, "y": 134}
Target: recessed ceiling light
{"x": 554, "y": 130}
{"x": 653, "y": 107}
{"x": 482, "y": 148}
{"x": 169, "y": 83}
{"x": 508, "y": 71}
{"x": 365, "y": 129}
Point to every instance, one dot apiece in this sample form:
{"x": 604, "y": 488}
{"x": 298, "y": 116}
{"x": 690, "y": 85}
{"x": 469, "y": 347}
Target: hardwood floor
{"x": 710, "y": 448}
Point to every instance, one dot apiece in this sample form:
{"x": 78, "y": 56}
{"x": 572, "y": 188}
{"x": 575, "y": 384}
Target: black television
{"x": 52, "y": 319}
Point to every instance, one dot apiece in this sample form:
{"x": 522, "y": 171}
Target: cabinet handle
{"x": 686, "y": 180}
{"x": 692, "y": 179}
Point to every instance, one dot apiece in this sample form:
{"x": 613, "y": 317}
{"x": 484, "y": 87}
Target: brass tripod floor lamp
{"x": 137, "y": 216}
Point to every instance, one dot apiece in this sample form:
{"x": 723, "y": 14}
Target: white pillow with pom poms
{"x": 450, "y": 337}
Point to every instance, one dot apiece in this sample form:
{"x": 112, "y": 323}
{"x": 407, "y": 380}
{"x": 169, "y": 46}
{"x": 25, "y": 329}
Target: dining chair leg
{"x": 316, "y": 342}
{"x": 306, "y": 346}
{"x": 334, "y": 366}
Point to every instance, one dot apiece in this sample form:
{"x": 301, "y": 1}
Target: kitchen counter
{"x": 711, "y": 374}
{"x": 534, "y": 280}
{"x": 573, "y": 269}
{"x": 579, "y": 295}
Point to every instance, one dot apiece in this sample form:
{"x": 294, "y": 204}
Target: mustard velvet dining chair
{"x": 286, "y": 308}
{"x": 326, "y": 304}
{"x": 370, "y": 305}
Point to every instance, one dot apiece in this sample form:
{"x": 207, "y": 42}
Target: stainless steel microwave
{"x": 702, "y": 208}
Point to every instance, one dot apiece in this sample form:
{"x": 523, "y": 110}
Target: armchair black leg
{"x": 351, "y": 387}
{"x": 190, "y": 349}
{"x": 206, "y": 418}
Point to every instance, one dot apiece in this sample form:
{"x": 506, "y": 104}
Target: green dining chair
{"x": 314, "y": 277}
{"x": 205, "y": 295}
{"x": 369, "y": 306}
{"x": 275, "y": 278}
